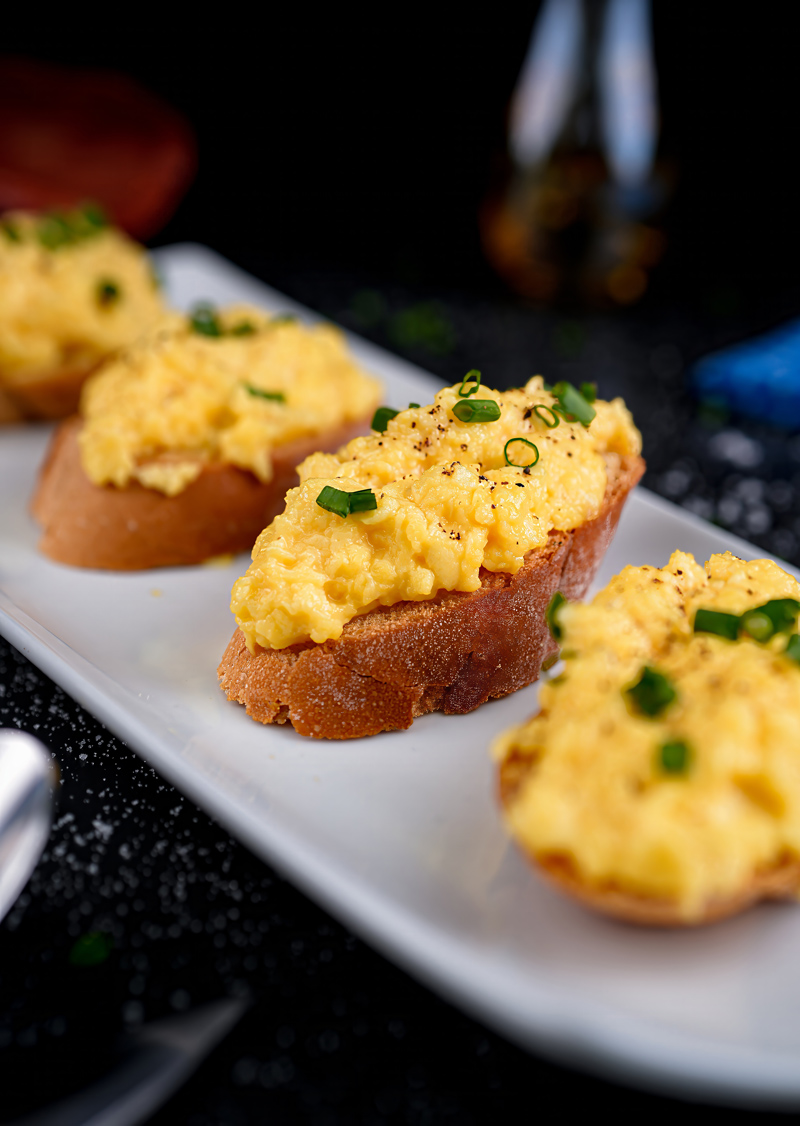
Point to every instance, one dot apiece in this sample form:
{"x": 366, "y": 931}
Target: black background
{"x": 368, "y": 141}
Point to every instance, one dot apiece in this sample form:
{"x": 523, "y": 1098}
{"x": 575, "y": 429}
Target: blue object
{"x": 759, "y": 378}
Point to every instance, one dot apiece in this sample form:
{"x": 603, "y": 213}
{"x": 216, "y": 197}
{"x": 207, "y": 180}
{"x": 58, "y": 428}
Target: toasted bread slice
{"x": 779, "y": 881}
{"x": 132, "y": 528}
{"x": 49, "y": 397}
{"x": 450, "y": 654}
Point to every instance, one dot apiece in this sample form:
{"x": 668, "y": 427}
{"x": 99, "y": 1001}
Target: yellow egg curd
{"x": 73, "y": 290}
{"x": 446, "y": 504}
{"x": 225, "y": 385}
{"x": 680, "y": 793}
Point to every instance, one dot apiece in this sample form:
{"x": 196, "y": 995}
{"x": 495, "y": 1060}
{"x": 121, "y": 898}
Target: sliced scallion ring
{"x": 382, "y": 418}
{"x": 572, "y": 402}
{"x": 757, "y": 624}
{"x": 470, "y": 377}
{"x": 674, "y": 756}
{"x": 363, "y": 500}
{"x": 203, "y": 320}
{"x": 552, "y": 422}
{"x": 792, "y": 650}
{"x": 521, "y": 453}
{"x": 589, "y": 392}
{"x": 652, "y": 692}
{"x": 342, "y": 503}
{"x": 477, "y": 410}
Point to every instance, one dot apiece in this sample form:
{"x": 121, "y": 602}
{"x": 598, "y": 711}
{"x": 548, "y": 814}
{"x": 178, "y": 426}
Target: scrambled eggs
{"x": 446, "y": 503}
{"x": 72, "y": 291}
{"x": 681, "y": 793}
{"x": 216, "y": 386}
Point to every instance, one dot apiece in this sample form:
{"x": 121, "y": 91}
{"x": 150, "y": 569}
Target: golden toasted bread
{"x": 133, "y": 527}
{"x": 450, "y": 653}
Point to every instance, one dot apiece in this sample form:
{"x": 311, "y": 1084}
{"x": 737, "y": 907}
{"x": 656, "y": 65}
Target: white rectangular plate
{"x": 399, "y": 835}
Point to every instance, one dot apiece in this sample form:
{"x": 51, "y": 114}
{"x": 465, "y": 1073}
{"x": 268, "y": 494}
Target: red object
{"x": 69, "y": 135}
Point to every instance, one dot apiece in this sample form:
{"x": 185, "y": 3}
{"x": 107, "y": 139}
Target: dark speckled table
{"x": 143, "y": 906}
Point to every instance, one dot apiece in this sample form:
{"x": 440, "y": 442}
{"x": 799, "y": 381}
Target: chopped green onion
{"x": 93, "y": 215}
{"x": 108, "y": 293}
{"x": 556, "y": 421}
{"x": 573, "y": 403}
{"x": 548, "y": 662}
{"x": 757, "y": 624}
{"x": 712, "y": 621}
{"x": 11, "y": 231}
{"x": 673, "y": 756}
{"x": 382, "y": 418}
{"x": 589, "y": 392}
{"x": 244, "y": 328}
{"x": 203, "y": 320}
{"x": 473, "y": 376}
{"x": 792, "y": 650}
{"x": 782, "y": 612}
{"x": 334, "y": 500}
{"x": 363, "y": 500}
{"x": 477, "y": 410}
{"x": 523, "y": 464}
{"x": 273, "y": 396}
{"x": 651, "y": 693}
{"x": 283, "y": 319}
{"x": 551, "y": 615}
{"x": 413, "y": 406}
{"x": 54, "y": 231}
{"x": 342, "y": 503}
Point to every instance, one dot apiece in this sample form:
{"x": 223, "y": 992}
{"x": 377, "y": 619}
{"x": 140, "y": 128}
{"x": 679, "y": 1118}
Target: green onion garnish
{"x": 757, "y": 624}
{"x": 382, "y": 418}
{"x": 470, "y": 377}
{"x": 782, "y": 612}
{"x": 203, "y": 320}
{"x": 651, "y": 693}
{"x": 673, "y": 756}
{"x": 54, "y": 231}
{"x": 521, "y": 453}
{"x": 551, "y": 615}
{"x": 108, "y": 293}
{"x": 477, "y": 410}
{"x": 342, "y": 503}
{"x": 10, "y": 231}
{"x": 363, "y": 500}
{"x": 244, "y": 328}
{"x": 272, "y": 396}
{"x": 551, "y": 425}
{"x": 92, "y": 215}
{"x": 712, "y": 621}
{"x": 548, "y": 662}
{"x": 792, "y": 650}
{"x": 283, "y": 319}
{"x": 589, "y": 392}
{"x": 413, "y": 406}
{"x": 573, "y": 403}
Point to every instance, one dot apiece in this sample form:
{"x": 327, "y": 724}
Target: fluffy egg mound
{"x": 446, "y": 503}
{"x": 226, "y": 385}
{"x": 73, "y": 290}
{"x": 664, "y": 761}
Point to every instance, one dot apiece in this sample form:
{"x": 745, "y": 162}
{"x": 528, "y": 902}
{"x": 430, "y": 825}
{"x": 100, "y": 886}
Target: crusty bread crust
{"x": 48, "y": 397}
{"x": 449, "y": 654}
{"x": 133, "y": 528}
{"x": 780, "y": 880}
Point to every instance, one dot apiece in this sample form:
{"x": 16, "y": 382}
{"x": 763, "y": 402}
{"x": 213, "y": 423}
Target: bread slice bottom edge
{"x": 780, "y": 880}
{"x": 451, "y": 653}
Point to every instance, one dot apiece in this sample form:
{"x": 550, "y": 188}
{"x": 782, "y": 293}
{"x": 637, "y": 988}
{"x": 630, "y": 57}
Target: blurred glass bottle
{"x": 575, "y": 215}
